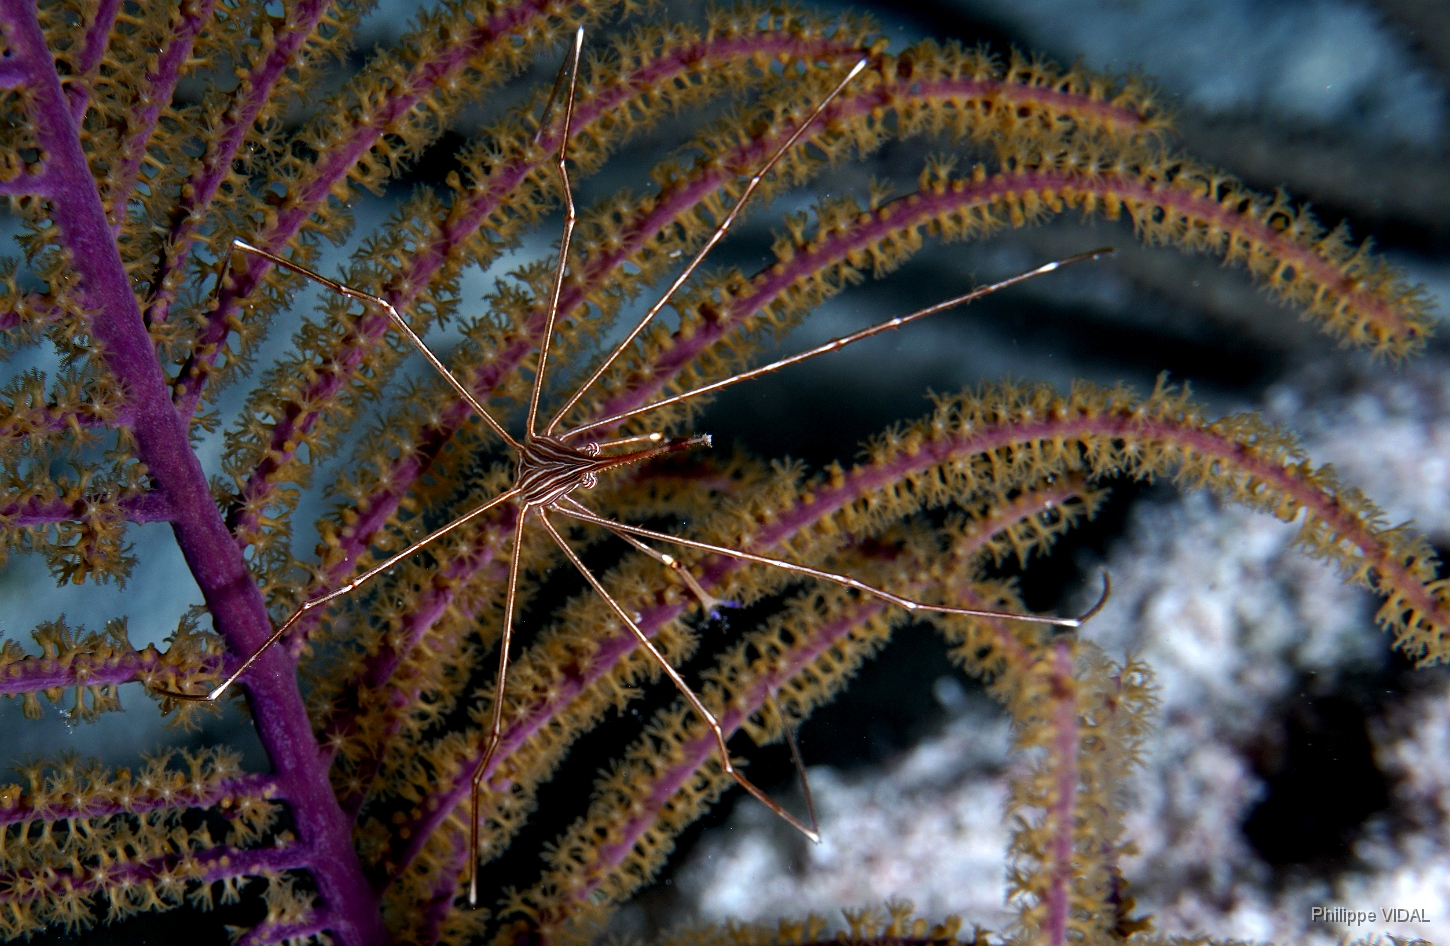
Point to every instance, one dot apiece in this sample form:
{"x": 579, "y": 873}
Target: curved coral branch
{"x": 161, "y": 81}
{"x": 253, "y": 95}
{"x": 403, "y": 101}
{"x": 804, "y": 668}
{"x": 294, "y": 931}
{"x": 962, "y": 90}
{"x": 1167, "y": 205}
{"x": 72, "y": 791}
{"x": 162, "y": 443}
{"x": 61, "y": 895}
{"x": 1242, "y": 459}
{"x": 138, "y": 508}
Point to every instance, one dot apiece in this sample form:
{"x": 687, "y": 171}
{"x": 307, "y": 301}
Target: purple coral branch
{"x": 919, "y": 210}
{"x": 33, "y": 674}
{"x": 445, "y": 888}
{"x": 41, "y": 185}
{"x": 381, "y": 667}
{"x": 93, "y": 47}
{"x": 161, "y": 88}
{"x": 135, "y": 800}
{"x": 1064, "y": 754}
{"x": 26, "y": 422}
{"x": 162, "y": 442}
{"x": 98, "y": 36}
{"x": 610, "y": 651}
{"x": 204, "y": 867}
{"x": 601, "y": 266}
{"x": 371, "y": 124}
{"x": 139, "y": 508}
{"x": 250, "y": 97}
{"x": 696, "y": 752}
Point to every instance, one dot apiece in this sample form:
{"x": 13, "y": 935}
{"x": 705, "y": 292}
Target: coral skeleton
{"x": 141, "y": 141}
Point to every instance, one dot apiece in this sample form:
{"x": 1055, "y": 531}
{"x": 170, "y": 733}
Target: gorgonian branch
{"x": 93, "y": 665}
{"x": 1079, "y": 722}
{"x": 1354, "y": 296}
{"x": 92, "y": 47}
{"x": 936, "y": 92}
{"x": 62, "y": 896}
{"x": 388, "y": 682}
{"x": 805, "y": 655}
{"x": 85, "y": 790}
{"x": 30, "y": 418}
{"x": 33, "y": 511}
{"x": 281, "y": 45}
{"x": 568, "y": 699}
{"x": 392, "y": 110}
{"x": 896, "y": 925}
{"x": 162, "y": 443}
{"x": 158, "y": 92}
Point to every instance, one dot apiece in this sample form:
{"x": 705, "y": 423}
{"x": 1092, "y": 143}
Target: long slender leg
{"x": 569, "y": 220}
{"x": 710, "y": 604}
{"x": 399, "y": 323}
{"x": 313, "y": 603}
{"x": 553, "y": 99}
{"x": 844, "y": 580}
{"x": 841, "y": 342}
{"x": 680, "y": 685}
{"x": 795, "y": 757}
{"x": 495, "y": 727}
{"x": 654, "y": 437}
{"x": 716, "y": 237}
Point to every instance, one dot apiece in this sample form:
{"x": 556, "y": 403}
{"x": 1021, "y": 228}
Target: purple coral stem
{"x": 138, "y": 508}
{"x": 334, "y": 166}
{"x": 25, "y": 809}
{"x": 250, "y": 97}
{"x": 34, "y": 674}
{"x": 238, "y": 610}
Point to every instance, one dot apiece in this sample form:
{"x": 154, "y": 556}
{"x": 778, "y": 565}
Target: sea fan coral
{"x": 142, "y": 141}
